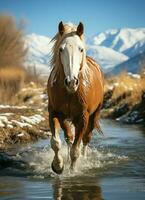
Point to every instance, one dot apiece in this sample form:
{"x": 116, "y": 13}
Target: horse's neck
{"x": 85, "y": 74}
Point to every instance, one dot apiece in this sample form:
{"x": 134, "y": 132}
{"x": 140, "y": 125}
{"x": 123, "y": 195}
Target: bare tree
{"x": 12, "y": 49}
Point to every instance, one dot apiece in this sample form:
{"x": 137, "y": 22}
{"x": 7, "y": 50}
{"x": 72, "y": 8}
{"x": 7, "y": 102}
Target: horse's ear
{"x": 61, "y": 28}
{"x": 80, "y": 29}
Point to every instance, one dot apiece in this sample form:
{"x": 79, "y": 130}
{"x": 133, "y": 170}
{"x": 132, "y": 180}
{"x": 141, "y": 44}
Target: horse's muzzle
{"x": 71, "y": 85}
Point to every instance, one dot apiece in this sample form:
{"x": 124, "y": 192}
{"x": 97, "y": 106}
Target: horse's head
{"x": 71, "y": 53}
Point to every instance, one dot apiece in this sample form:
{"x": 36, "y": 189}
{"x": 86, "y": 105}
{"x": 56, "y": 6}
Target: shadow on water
{"x": 114, "y": 169}
{"x": 77, "y": 189}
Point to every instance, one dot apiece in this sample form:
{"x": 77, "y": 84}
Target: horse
{"x": 75, "y": 94}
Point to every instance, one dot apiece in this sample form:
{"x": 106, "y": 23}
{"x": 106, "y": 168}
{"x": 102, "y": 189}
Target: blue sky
{"x": 43, "y": 16}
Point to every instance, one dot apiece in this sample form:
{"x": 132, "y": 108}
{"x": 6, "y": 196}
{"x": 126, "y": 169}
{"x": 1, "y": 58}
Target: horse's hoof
{"x": 58, "y": 170}
{"x": 73, "y": 167}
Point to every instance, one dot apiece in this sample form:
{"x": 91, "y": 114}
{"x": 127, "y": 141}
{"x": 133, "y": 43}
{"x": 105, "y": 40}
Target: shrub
{"x": 12, "y": 50}
{"x": 11, "y": 80}
{"x": 126, "y": 83}
{"x": 12, "y": 55}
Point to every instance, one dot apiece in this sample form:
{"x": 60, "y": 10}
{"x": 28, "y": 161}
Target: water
{"x": 114, "y": 169}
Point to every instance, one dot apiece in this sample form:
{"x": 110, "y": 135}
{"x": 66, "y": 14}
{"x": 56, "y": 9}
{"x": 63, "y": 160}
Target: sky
{"x": 43, "y": 16}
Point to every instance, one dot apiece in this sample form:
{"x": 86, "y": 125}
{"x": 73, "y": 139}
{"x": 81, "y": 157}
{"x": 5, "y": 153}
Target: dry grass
{"x": 12, "y": 55}
{"x": 30, "y": 95}
{"x": 11, "y": 80}
{"x": 12, "y": 50}
{"x": 17, "y": 134}
{"x": 125, "y": 83}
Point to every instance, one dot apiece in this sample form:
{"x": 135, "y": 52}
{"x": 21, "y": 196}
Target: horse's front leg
{"x": 69, "y": 137}
{"x": 57, "y": 163}
{"x": 88, "y": 135}
{"x": 80, "y": 128}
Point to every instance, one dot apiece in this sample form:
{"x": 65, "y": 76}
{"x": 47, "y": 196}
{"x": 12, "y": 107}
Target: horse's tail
{"x": 96, "y": 120}
{"x": 98, "y": 128}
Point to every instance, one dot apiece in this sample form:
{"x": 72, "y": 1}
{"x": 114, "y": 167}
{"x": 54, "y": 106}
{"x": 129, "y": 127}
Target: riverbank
{"x": 27, "y": 119}
{"x": 124, "y": 98}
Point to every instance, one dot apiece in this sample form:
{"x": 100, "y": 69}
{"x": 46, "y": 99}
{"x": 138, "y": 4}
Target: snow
{"x": 137, "y": 48}
{"x": 4, "y": 122}
{"x": 13, "y": 107}
{"x": 6, "y": 114}
{"x": 132, "y": 65}
{"x": 108, "y": 48}
{"x": 21, "y": 124}
{"x": 44, "y": 96}
{"x": 140, "y": 120}
{"x": 106, "y": 57}
{"x": 136, "y": 76}
{"x": 21, "y": 134}
{"x": 42, "y": 42}
{"x": 3, "y": 119}
{"x": 28, "y": 121}
{"x": 35, "y": 119}
{"x": 110, "y": 87}
{"x": 119, "y": 39}
{"x": 39, "y": 50}
{"x": 116, "y": 84}
{"x": 127, "y": 41}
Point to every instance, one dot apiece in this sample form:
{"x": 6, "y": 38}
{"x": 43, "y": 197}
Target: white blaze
{"x": 71, "y": 54}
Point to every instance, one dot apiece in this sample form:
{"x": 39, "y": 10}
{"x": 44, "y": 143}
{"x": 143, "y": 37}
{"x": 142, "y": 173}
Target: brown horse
{"x": 75, "y": 91}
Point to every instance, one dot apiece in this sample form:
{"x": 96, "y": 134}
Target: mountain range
{"x": 38, "y": 55}
{"x": 114, "y": 50}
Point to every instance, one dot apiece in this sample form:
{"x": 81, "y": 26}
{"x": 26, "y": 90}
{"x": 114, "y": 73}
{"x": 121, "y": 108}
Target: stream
{"x": 113, "y": 170}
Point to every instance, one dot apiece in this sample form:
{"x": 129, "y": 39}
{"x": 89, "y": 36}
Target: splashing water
{"x": 113, "y": 169}
{"x": 39, "y": 161}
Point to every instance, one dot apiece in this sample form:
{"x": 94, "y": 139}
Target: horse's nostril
{"x": 66, "y": 82}
{"x": 71, "y": 83}
{"x": 77, "y": 81}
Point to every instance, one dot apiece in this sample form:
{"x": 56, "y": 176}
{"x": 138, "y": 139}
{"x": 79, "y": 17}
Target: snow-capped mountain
{"x": 109, "y": 48}
{"x": 38, "y": 55}
{"x": 106, "y": 57}
{"x": 125, "y": 42}
{"x": 119, "y": 39}
{"x": 132, "y": 65}
{"x": 137, "y": 48}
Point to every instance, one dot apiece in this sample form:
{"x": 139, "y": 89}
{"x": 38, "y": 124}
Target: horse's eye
{"x": 81, "y": 49}
{"x": 61, "y": 49}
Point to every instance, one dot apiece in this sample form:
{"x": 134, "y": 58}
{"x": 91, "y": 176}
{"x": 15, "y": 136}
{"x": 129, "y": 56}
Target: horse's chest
{"x": 70, "y": 107}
